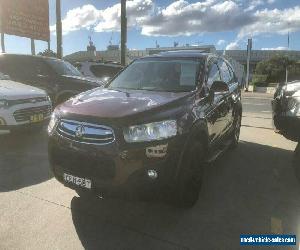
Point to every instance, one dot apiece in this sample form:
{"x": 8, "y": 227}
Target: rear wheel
{"x": 189, "y": 179}
{"x": 236, "y": 132}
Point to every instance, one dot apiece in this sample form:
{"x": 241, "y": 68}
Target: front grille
{"x": 85, "y": 132}
{"x": 28, "y": 100}
{"x": 83, "y": 165}
{"x": 23, "y": 115}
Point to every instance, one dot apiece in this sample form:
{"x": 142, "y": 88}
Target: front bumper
{"x": 286, "y": 121}
{"x": 17, "y": 117}
{"x": 6, "y": 129}
{"x": 113, "y": 168}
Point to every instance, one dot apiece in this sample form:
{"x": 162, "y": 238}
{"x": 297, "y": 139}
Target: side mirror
{"x": 219, "y": 87}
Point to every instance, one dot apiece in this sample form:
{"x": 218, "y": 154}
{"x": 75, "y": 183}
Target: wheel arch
{"x": 198, "y": 132}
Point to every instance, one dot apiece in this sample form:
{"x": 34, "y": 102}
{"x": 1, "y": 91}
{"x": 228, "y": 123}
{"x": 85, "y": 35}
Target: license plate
{"x": 36, "y": 118}
{"x": 81, "y": 182}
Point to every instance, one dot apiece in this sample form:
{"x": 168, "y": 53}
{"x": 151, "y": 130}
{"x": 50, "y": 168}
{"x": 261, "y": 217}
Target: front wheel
{"x": 189, "y": 180}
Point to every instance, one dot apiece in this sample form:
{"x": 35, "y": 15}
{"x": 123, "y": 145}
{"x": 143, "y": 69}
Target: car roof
{"x": 182, "y": 54}
{"x": 29, "y": 56}
{"x": 106, "y": 64}
{"x": 185, "y": 53}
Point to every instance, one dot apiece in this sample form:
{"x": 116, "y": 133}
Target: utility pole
{"x": 58, "y": 29}
{"x": 32, "y": 47}
{"x": 2, "y": 33}
{"x": 288, "y": 47}
{"x": 123, "y": 32}
{"x": 249, "y": 47}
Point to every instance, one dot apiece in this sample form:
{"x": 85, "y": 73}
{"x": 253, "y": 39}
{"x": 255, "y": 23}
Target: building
{"x": 238, "y": 58}
{"x": 257, "y": 56}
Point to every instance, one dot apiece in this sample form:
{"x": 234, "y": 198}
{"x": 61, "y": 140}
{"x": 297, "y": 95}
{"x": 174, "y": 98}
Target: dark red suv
{"x": 151, "y": 127}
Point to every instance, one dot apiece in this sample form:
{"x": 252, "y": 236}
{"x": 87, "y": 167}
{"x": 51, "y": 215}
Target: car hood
{"x": 83, "y": 79}
{"x": 11, "y": 90}
{"x": 106, "y": 103}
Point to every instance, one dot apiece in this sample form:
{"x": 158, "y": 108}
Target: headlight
{"x": 3, "y": 104}
{"x": 48, "y": 98}
{"x": 53, "y": 122}
{"x": 151, "y": 131}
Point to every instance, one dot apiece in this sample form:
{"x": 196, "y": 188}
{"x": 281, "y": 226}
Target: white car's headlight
{"x": 3, "y": 104}
{"x": 151, "y": 131}
{"x": 48, "y": 98}
{"x": 52, "y": 123}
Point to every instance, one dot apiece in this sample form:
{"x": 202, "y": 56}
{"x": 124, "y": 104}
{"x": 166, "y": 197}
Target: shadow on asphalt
{"x": 23, "y": 160}
{"x": 242, "y": 191}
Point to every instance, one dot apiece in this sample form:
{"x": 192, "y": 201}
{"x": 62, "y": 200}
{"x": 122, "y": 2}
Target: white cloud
{"x": 221, "y": 42}
{"x": 233, "y": 46}
{"x": 277, "y": 48}
{"x": 184, "y": 18}
{"x": 273, "y": 21}
{"x": 87, "y": 17}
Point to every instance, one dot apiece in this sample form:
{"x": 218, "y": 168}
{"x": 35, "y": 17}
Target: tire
{"x": 296, "y": 161}
{"x": 189, "y": 181}
{"x": 236, "y": 132}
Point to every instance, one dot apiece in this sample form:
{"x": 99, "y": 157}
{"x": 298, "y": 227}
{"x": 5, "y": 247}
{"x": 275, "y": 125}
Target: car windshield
{"x": 159, "y": 75}
{"x": 63, "y": 68}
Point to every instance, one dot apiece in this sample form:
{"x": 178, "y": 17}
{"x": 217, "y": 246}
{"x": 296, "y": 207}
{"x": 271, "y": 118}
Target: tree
{"x": 48, "y": 53}
{"x": 275, "y": 69}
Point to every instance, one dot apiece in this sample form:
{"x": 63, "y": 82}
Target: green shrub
{"x": 259, "y": 80}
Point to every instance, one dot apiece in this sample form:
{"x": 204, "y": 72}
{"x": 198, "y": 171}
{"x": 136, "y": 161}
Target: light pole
{"x": 123, "y": 32}
{"x": 58, "y": 29}
{"x": 249, "y": 48}
{"x": 288, "y": 48}
{"x": 2, "y": 43}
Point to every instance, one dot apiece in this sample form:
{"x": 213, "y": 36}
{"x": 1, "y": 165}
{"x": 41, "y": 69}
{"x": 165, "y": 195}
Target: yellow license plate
{"x": 36, "y": 118}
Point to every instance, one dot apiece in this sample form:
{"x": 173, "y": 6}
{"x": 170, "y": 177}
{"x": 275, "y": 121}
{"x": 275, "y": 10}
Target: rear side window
{"x": 232, "y": 74}
{"x": 213, "y": 74}
{"x": 225, "y": 74}
{"x": 104, "y": 71}
{"x": 23, "y": 68}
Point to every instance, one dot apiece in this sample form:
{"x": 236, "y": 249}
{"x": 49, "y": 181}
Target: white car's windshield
{"x": 159, "y": 75}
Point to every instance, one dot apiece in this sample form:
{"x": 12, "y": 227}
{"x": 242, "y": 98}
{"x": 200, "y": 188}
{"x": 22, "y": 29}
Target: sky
{"x": 225, "y": 24}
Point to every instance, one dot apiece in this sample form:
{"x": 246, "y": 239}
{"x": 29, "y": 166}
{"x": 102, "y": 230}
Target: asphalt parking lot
{"x": 250, "y": 190}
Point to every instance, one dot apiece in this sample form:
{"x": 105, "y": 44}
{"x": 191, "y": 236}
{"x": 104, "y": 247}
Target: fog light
{"x": 2, "y": 121}
{"x": 152, "y": 174}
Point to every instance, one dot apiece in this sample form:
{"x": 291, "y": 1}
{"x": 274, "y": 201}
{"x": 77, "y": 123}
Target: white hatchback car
{"x": 22, "y": 105}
